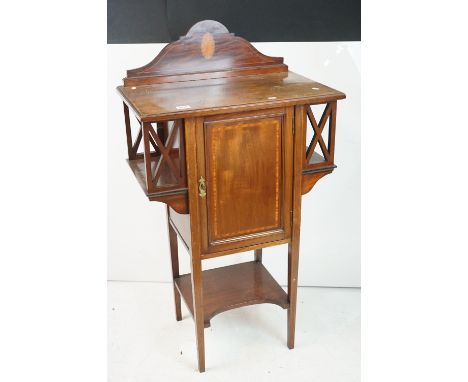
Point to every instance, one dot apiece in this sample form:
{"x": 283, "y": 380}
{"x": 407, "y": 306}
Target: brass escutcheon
{"x": 202, "y": 187}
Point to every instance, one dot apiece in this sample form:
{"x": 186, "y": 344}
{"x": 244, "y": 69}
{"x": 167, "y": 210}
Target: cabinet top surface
{"x": 180, "y": 99}
{"x": 210, "y": 71}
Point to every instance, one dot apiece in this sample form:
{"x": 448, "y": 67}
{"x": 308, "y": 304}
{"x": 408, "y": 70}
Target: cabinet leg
{"x": 175, "y": 266}
{"x": 194, "y": 126}
{"x": 293, "y": 247}
{"x": 258, "y": 255}
{"x": 293, "y": 260}
{"x": 197, "y": 293}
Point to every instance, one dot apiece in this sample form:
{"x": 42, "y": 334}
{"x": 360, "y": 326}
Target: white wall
{"x": 330, "y": 235}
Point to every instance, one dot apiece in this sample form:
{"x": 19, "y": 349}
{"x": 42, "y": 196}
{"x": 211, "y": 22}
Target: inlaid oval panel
{"x": 207, "y": 45}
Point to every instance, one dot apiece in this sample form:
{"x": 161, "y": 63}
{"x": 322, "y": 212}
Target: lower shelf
{"x": 232, "y": 287}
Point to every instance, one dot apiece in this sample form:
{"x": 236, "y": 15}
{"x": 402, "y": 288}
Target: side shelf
{"x": 233, "y": 286}
{"x": 160, "y": 168}
{"x": 317, "y": 165}
{"x": 173, "y": 195}
{"x": 166, "y": 182}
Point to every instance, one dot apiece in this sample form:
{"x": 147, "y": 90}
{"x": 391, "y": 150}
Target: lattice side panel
{"x": 164, "y": 155}
{"x": 320, "y": 136}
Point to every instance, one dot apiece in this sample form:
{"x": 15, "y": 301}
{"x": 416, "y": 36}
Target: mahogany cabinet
{"x": 222, "y": 141}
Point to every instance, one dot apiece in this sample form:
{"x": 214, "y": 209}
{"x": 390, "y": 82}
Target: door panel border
{"x": 268, "y": 236}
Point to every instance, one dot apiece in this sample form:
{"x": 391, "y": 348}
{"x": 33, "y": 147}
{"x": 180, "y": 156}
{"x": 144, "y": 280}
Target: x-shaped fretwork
{"x": 137, "y": 142}
{"x": 318, "y": 129}
{"x": 165, "y": 150}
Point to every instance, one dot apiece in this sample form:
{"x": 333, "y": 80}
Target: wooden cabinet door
{"x": 248, "y": 172}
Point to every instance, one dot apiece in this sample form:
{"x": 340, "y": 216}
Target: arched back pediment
{"x": 208, "y": 50}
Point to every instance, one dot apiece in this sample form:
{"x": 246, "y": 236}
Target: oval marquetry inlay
{"x": 207, "y": 45}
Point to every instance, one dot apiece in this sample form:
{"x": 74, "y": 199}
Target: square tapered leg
{"x": 293, "y": 257}
{"x": 175, "y": 266}
{"x": 197, "y": 293}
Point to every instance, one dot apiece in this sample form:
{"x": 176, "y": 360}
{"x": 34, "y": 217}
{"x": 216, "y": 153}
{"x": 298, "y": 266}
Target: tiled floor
{"x": 247, "y": 344}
